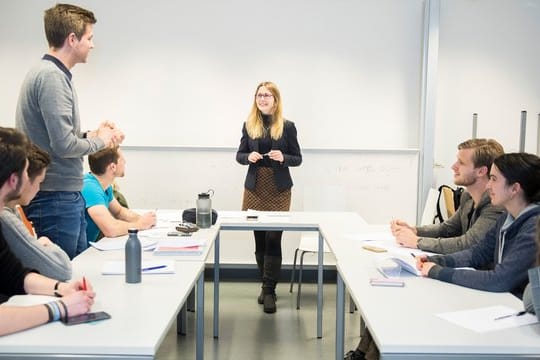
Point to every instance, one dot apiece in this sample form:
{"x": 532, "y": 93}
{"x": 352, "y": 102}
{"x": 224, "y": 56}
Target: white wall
{"x": 182, "y": 73}
{"x": 488, "y": 64}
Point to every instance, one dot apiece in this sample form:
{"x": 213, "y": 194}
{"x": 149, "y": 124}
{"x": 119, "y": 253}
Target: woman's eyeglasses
{"x": 264, "y": 96}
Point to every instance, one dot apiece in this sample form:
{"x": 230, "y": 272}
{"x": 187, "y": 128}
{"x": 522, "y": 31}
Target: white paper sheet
{"x": 483, "y": 319}
{"x": 119, "y": 267}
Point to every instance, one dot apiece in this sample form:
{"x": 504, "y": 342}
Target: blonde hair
{"x": 485, "y": 151}
{"x": 254, "y": 123}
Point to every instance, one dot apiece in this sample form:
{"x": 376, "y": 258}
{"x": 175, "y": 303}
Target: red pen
{"x": 84, "y": 283}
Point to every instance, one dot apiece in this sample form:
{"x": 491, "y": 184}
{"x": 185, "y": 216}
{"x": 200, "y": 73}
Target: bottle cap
{"x": 133, "y": 231}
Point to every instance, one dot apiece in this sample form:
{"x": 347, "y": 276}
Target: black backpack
{"x": 456, "y": 195}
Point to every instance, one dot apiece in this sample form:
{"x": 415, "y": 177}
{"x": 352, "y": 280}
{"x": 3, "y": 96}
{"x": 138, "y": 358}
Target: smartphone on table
{"x": 88, "y": 317}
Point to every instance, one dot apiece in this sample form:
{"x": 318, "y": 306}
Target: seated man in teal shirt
{"x": 103, "y": 212}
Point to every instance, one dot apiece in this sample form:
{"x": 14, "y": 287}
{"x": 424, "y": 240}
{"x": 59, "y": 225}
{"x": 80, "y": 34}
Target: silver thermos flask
{"x": 204, "y": 210}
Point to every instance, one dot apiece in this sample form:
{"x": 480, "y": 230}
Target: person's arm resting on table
{"x": 116, "y": 220}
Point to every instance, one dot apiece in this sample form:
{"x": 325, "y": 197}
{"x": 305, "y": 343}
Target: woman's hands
{"x": 275, "y": 155}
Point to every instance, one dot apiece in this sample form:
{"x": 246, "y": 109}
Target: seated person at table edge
{"x": 531, "y": 294}
{"x": 40, "y": 254}
{"x": 103, "y": 211}
{"x": 509, "y": 248}
{"x": 475, "y": 216}
{"x": 16, "y": 279}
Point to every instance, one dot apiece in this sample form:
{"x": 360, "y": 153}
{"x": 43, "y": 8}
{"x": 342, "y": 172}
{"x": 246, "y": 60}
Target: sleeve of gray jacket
{"x": 50, "y": 260}
{"x": 449, "y": 238}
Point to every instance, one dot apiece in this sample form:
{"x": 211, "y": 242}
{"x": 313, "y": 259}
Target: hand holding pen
{"x": 254, "y": 156}
{"x": 275, "y": 155}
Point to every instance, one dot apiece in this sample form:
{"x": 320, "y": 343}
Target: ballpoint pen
{"x": 414, "y": 256}
{"x": 84, "y": 283}
{"x": 153, "y": 267}
{"x": 523, "y": 312}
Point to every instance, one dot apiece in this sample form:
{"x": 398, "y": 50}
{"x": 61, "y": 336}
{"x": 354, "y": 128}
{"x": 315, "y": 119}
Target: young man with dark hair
{"x": 35, "y": 253}
{"x": 103, "y": 211}
{"x": 15, "y": 278}
{"x": 48, "y": 113}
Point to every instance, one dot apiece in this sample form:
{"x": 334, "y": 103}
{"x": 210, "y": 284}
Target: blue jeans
{"x": 59, "y": 215}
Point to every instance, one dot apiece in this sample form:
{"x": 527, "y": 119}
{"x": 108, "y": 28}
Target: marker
{"x": 154, "y": 267}
{"x": 84, "y": 283}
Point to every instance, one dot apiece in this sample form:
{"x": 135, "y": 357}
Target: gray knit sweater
{"x": 48, "y": 113}
{"x": 458, "y": 232}
{"x": 49, "y": 260}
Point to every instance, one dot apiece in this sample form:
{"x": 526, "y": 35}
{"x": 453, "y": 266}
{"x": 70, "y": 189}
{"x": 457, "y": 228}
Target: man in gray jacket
{"x": 475, "y": 215}
{"x": 48, "y": 113}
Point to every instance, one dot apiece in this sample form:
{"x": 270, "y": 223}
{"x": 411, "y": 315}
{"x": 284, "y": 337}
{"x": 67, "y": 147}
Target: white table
{"x": 402, "y": 321}
{"x": 276, "y": 221}
{"x": 141, "y": 315}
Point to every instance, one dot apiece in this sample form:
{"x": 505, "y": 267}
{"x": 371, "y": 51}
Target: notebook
{"x": 392, "y": 265}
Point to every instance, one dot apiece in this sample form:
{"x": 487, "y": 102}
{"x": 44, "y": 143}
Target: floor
{"x": 246, "y": 332}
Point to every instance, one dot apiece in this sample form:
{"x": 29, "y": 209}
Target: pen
{"x": 153, "y": 267}
{"x": 84, "y": 283}
{"x": 510, "y": 315}
{"x": 414, "y": 256}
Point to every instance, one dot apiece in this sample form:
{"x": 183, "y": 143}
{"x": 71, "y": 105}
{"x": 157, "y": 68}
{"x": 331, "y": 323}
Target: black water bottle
{"x": 133, "y": 257}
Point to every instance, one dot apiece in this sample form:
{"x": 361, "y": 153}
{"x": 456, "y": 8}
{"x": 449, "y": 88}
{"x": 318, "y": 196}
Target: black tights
{"x": 268, "y": 242}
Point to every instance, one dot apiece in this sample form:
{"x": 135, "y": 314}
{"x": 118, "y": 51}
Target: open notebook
{"x": 393, "y": 264}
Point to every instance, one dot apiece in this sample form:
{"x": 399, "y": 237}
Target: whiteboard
{"x": 379, "y": 185}
{"x": 183, "y": 72}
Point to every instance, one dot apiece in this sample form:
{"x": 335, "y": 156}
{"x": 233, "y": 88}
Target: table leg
{"x": 181, "y": 321}
{"x": 200, "y": 318}
{"x": 320, "y": 286}
{"x": 216, "y": 287}
{"x": 340, "y": 318}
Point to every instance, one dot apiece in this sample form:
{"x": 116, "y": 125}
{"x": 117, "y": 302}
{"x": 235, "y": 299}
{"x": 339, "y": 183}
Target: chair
{"x": 316, "y": 198}
{"x": 430, "y": 210}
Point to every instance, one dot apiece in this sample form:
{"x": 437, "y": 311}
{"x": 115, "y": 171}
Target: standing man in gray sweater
{"x": 475, "y": 216}
{"x": 48, "y": 113}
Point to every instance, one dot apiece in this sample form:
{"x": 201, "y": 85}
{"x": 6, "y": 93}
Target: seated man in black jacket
{"x": 14, "y": 278}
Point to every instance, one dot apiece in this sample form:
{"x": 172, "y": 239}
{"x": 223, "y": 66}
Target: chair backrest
{"x": 324, "y": 198}
{"x": 430, "y": 209}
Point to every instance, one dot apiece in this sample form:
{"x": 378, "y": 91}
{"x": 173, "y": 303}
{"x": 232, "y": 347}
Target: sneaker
{"x": 355, "y": 355}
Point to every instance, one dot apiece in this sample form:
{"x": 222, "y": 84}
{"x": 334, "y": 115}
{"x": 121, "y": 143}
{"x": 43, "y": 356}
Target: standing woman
{"x": 269, "y": 146}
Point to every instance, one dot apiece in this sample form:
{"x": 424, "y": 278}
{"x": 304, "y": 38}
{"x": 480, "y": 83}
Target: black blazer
{"x": 288, "y": 144}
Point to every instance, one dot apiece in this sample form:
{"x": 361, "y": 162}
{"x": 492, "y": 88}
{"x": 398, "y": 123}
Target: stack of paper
{"x": 119, "y": 243}
{"x": 180, "y": 246}
{"x": 147, "y": 267}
